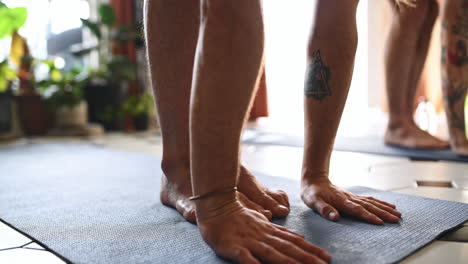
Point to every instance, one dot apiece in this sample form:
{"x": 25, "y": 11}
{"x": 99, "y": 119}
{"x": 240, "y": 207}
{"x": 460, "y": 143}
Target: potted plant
{"x": 139, "y": 108}
{"x": 108, "y": 84}
{"x": 6, "y": 76}
{"x": 34, "y": 116}
{"x": 105, "y": 91}
{"x": 63, "y": 92}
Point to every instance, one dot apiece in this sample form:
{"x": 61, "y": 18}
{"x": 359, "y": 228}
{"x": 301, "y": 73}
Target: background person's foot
{"x": 412, "y": 136}
{"x": 461, "y": 149}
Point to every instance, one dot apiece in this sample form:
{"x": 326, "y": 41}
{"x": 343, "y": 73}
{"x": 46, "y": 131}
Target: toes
{"x": 280, "y": 196}
{"x": 274, "y": 206}
{"x": 190, "y": 216}
{"x": 274, "y": 201}
{"x": 251, "y": 205}
{"x": 187, "y": 210}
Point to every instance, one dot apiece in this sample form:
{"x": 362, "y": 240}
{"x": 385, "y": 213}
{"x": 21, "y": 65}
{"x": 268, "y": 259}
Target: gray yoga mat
{"x": 370, "y": 145}
{"x": 92, "y": 205}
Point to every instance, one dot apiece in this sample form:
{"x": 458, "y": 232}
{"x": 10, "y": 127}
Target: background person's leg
{"x": 172, "y": 34}
{"x": 407, "y": 46}
{"x": 455, "y": 70}
{"x": 331, "y": 52}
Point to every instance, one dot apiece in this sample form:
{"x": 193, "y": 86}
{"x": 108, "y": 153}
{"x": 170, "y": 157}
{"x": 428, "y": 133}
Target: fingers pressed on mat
{"x": 382, "y": 214}
{"x": 269, "y": 254}
{"x": 359, "y": 211}
{"x": 326, "y": 210}
{"x": 242, "y": 255}
{"x": 293, "y": 251}
{"x": 305, "y": 245}
{"x": 380, "y": 201}
{"x": 385, "y": 207}
{"x": 282, "y": 228}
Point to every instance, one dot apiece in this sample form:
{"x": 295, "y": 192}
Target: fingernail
{"x": 379, "y": 221}
{"x": 282, "y": 208}
{"x": 332, "y": 216}
{"x": 326, "y": 256}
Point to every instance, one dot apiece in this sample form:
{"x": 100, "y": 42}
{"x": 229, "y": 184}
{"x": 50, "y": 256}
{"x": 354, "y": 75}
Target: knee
{"x": 230, "y": 11}
{"x": 422, "y": 13}
{"x": 449, "y": 8}
{"x": 239, "y": 15}
{"x": 433, "y": 12}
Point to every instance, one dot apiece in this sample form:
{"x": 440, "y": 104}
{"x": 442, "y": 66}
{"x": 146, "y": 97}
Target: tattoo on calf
{"x": 454, "y": 95}
{"x": 456, "y": 53}
{"x": 460, "y": 28}
{"x": 317, "y": 77}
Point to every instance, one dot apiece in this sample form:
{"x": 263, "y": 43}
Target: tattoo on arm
{"x": 454, "y": 95}
{"x": 317, "y": 77}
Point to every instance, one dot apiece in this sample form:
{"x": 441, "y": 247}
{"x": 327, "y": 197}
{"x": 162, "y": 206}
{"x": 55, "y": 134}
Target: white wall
{"x": 287, "y": 29}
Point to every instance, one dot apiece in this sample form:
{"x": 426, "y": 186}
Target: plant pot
{"x": 35, "y": 117}
{"x": 141, "y": 122}
{"x": 100, "y": 98}
{"x": 70, "y": 117}
{"x": 5, "y": 112}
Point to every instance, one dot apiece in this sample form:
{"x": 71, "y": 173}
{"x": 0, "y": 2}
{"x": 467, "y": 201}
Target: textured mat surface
{"x": 92, "y": 205}
{"x": 371, "y": 145}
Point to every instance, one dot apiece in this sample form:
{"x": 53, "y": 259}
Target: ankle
{"x": 171, "y": 166}
{"x": 398, "y": 124}
{"x": 458, "y": 141}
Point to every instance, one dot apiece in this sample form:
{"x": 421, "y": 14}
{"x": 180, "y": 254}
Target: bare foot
{"x": 176, "y": 193}
{"x": 275, "y": 201}
{"x": 461, "y": 149}
{"x": 411, "y": 136}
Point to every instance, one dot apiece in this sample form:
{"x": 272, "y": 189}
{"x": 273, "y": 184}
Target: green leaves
{"x": 106, "y": 12}
{"x": 121, "y": 68}
{"x": 65, "y": 88}
{"x": 137, "y": 105}
{"x": 6, "y": 75}
{"x": 11, "y": 19}
{"x": 93, "y": 27}
{"x": 106, "y": 17}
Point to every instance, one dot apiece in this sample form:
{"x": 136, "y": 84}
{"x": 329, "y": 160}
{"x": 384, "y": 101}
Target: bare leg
{"x": 172, "y": 32}
{"x": 454, "y": 70}
{"x": 407, "y": 47}
{"x": 331, "y": 52}
{"x": 229, "y": 55}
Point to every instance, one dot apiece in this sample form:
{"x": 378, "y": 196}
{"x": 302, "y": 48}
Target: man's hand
{"x": 329, "y": 200}
{"x": 243, "y": 235}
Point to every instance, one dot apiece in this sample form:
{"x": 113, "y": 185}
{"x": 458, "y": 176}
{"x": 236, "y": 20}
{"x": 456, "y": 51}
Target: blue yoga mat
{"x": 370, "y": 145}
{"x": 93, "y": 205}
